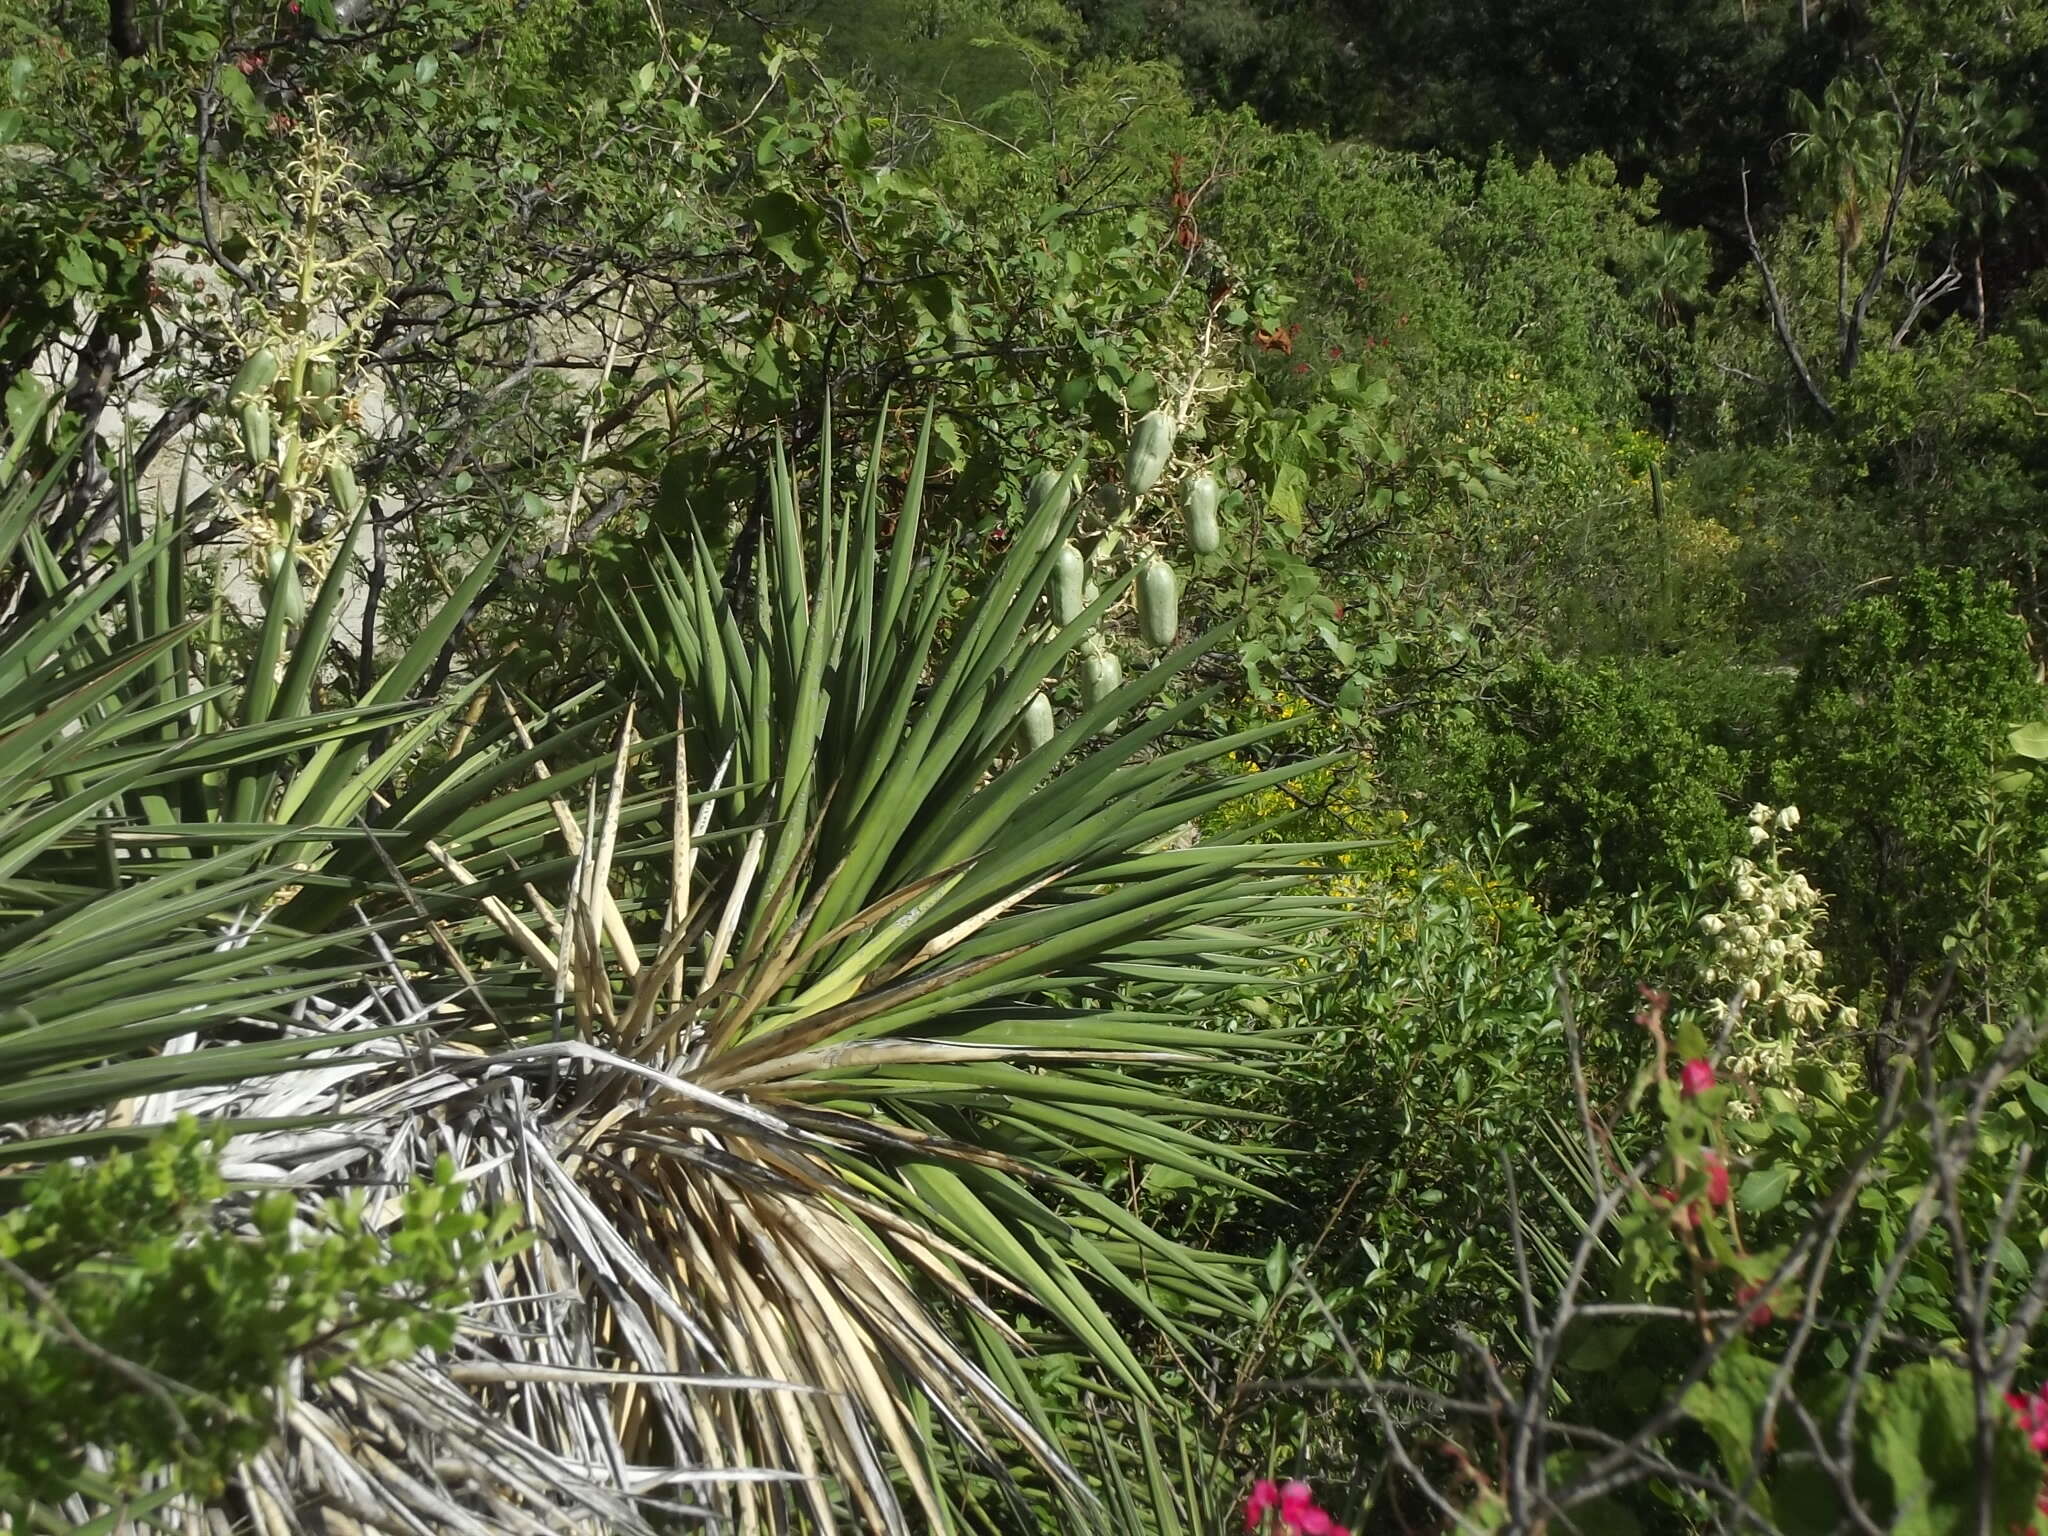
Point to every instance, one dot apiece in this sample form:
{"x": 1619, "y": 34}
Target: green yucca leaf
{"x": 899, "y": 941}
{"x": 160, "y": 797}
{"x": 816, "y": 1013}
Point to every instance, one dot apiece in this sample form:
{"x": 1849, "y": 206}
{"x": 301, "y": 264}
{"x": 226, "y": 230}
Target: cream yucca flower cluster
{"x": 1764, "y": 950}
{"x": 296, "y": 414}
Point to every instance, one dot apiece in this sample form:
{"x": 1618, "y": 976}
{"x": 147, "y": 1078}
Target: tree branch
{"x": 124, "y": 32}
{"x": 1945, "y": 282}
{"x": 1780, "y": 322}
{"x": 1852, "y": 343}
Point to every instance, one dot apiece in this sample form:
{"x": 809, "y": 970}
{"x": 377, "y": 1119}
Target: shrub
{"x": 1899, "y": 718}
{"x": 1629, "y": 776}
{"x": 143, "y": 1330}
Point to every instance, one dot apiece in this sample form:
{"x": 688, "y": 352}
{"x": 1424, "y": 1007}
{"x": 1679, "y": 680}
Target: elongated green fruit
{"x": 290, "y": 597}
{"x": 1101, "y": 675}
{"x": 1158, "y": 603}
{"x": 341, "y": 485}
{"x": 1151, "y": 451}
{"x": 258, "y": 373}
{"x": 289, "y": 449}
{"x": 1049, "y": 485}
{"x": 1205, "y": 534}
{"x": 1035, "y": 726}
{"x": 1069, "y": 581}
{"x": 256, "y": 432}
{"x": 323, "y": 388}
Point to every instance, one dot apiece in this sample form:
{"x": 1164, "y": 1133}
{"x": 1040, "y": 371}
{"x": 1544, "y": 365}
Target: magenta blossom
{"x": 2032, "y": 1411}
{"x": 2032, "y": 1408}
{"x": 1696, "y": 1077}
{"x": 1265, "y": 1496}
{"x": 1717, "y": 1176}
{"x": 1299, "y": 1513}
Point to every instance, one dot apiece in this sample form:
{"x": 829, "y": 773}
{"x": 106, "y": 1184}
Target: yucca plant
{"x": 190, "y": 843}
{"x": 210, "y": 876}
{"x": 813, "y": 1145}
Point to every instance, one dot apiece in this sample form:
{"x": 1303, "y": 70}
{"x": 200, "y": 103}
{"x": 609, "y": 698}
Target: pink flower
{"x": 1759, "y": 1314}
{"x": 1717, "y": 1177}
{"x": 1265, "y": 1495}
{"x": 2032, "y": 1409}
{"x": 1696, "y": 1077}
{"x": 1300, "y": 1512}
{"x": 1296, "y": 1502}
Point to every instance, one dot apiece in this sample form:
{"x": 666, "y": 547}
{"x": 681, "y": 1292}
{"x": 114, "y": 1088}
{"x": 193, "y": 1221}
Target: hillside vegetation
{"x": 1023, "y": 766}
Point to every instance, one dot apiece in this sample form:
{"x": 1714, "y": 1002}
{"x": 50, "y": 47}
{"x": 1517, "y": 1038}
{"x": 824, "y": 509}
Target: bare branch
{"x": 1780, "y": 321}
{"x": 1940, "y": 286}
{"x": 1852, "y": 342}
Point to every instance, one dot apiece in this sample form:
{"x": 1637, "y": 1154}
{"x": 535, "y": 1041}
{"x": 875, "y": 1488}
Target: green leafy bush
{"x": 1901, "y": 714}
{"x": 150, "y": 1321}
{"x": 1628, "y": 776}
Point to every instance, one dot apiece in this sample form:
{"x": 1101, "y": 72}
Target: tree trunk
{"x": 124, "y": 32}
{"x": 98, "y": 363}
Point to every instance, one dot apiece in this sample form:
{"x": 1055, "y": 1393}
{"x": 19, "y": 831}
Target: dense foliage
{"x": 1024, "y": 765}
{"x": 135, "y": 1335}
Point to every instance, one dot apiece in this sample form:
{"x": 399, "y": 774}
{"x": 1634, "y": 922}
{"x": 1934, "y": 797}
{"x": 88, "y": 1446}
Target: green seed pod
{"x": 322, "y": 399}
{"x": 289, "y": 448}
{"x": 1101, "y": 675}
{"x": 341, "y": 485}
{"x": 1205, "y": 535}
{"x": 1035, "y": 726}
{"x": 290, "y": 597}
{"x": 258, "y": 372}
{"x": 1151, "y": 451}
{"x": 256, "y": 432}
{"x": 1049, "y": 485}
{"x": 1069, "y": 581}
{"x": 1158, "y": 603}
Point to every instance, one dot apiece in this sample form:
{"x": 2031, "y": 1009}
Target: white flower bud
{"x": 1788, "y": 818}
